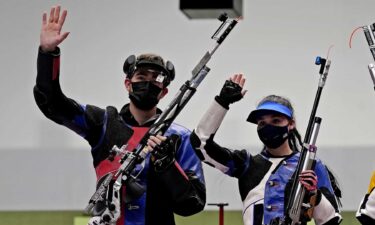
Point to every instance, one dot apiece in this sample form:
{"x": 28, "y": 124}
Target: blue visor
{"x": 269, "y": 108}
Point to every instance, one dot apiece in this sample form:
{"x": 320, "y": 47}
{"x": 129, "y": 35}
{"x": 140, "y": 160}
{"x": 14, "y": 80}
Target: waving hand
{"x": 50, "y": 35}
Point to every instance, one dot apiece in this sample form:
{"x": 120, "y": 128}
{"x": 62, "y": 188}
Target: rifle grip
{"x": 309, "y": 212}
{"x": 314, "y": 199}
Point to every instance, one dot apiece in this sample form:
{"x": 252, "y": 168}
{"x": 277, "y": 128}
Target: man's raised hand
{"x": 50, "y": 35}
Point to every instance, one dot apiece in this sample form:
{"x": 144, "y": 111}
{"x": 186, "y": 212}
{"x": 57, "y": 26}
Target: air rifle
{"x": 297, "y": 207}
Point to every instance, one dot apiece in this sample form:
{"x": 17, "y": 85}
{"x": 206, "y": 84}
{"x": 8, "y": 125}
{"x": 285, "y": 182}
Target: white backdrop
{"x": 275, "y": 46}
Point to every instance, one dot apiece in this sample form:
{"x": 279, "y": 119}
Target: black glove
{"x": 230, "y": 93}
{"x": 163, "y": 155}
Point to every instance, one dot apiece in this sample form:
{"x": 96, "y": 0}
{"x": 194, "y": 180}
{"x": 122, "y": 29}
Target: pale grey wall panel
{"x": 63, "y": 179}
{"x": 275, "y": 46}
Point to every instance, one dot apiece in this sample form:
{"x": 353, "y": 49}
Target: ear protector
{"x": 132, "y": 63}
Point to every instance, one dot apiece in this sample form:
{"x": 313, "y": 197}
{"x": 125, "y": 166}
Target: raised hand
{"x": 50, "y": 35}
{"x": 240, "y": 80}
{"x": 232, "y": 91}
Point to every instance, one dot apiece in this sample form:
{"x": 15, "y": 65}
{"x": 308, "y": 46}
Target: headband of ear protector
{"x": 132, "y": 63}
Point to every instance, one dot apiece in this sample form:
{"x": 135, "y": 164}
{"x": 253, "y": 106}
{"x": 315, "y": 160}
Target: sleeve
{"x": 372, "y": 183}
{"x": 366, "y": 210}
{"x": 326, "y": 212}
{"x": 230, "y": 162}
{"x": 185, "y": 180}
{"x": 85, "y": 120}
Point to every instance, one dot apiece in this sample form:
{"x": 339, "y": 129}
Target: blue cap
{"x": 269, "y": 108}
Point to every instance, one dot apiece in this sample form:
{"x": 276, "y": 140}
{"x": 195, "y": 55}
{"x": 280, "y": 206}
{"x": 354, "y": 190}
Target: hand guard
{"x": 164, "y": 154}
{"x": 230, "y": 93}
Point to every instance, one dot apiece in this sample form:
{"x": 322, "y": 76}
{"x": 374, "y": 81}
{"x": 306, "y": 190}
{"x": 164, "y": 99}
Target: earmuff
{"x": 129, "y": 65}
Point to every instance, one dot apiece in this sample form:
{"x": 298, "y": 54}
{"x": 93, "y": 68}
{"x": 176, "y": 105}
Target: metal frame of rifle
{"x": 369, "y": 31}
{"x": 296, "y": 208}
{"x": 295, "y": 203}
{"x": 129, "y": 160}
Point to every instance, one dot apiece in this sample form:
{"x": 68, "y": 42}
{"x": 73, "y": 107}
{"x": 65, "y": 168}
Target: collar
{"x": 267, "y": 154}
{"x": 128, "y": 117}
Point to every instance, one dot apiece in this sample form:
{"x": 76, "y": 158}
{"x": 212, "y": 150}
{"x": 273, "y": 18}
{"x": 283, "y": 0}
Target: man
{"x": 175, "y": 184}
{"x": 366, "y": 211}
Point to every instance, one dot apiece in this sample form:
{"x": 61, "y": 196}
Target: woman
{"x": 263, "y": 178}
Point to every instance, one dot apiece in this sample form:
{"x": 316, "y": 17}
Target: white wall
{"x": 63, "y": 179}
{"x": 275, "y": 46}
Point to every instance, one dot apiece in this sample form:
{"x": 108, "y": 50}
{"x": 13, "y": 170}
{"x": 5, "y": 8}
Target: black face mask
{"x": 144, "y": 94}
{"x": 273, "y": 136}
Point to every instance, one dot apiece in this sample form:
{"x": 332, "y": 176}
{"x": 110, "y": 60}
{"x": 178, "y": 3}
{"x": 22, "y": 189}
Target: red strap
{"x": 181, "y": 170}
{"x": 55, "y": 68}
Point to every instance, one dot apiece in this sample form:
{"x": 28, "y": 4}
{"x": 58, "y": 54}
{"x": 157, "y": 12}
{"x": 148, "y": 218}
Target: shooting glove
{"x": 163, "y": 155}
{"x": 309, "y": 180}
{"x": 313, "y": 196}
{"x": 230, "y": 93}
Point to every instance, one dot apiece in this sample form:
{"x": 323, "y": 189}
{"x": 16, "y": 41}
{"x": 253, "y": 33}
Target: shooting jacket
{"x": 180, "y": 189}
{"x": 263, "y": 178}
